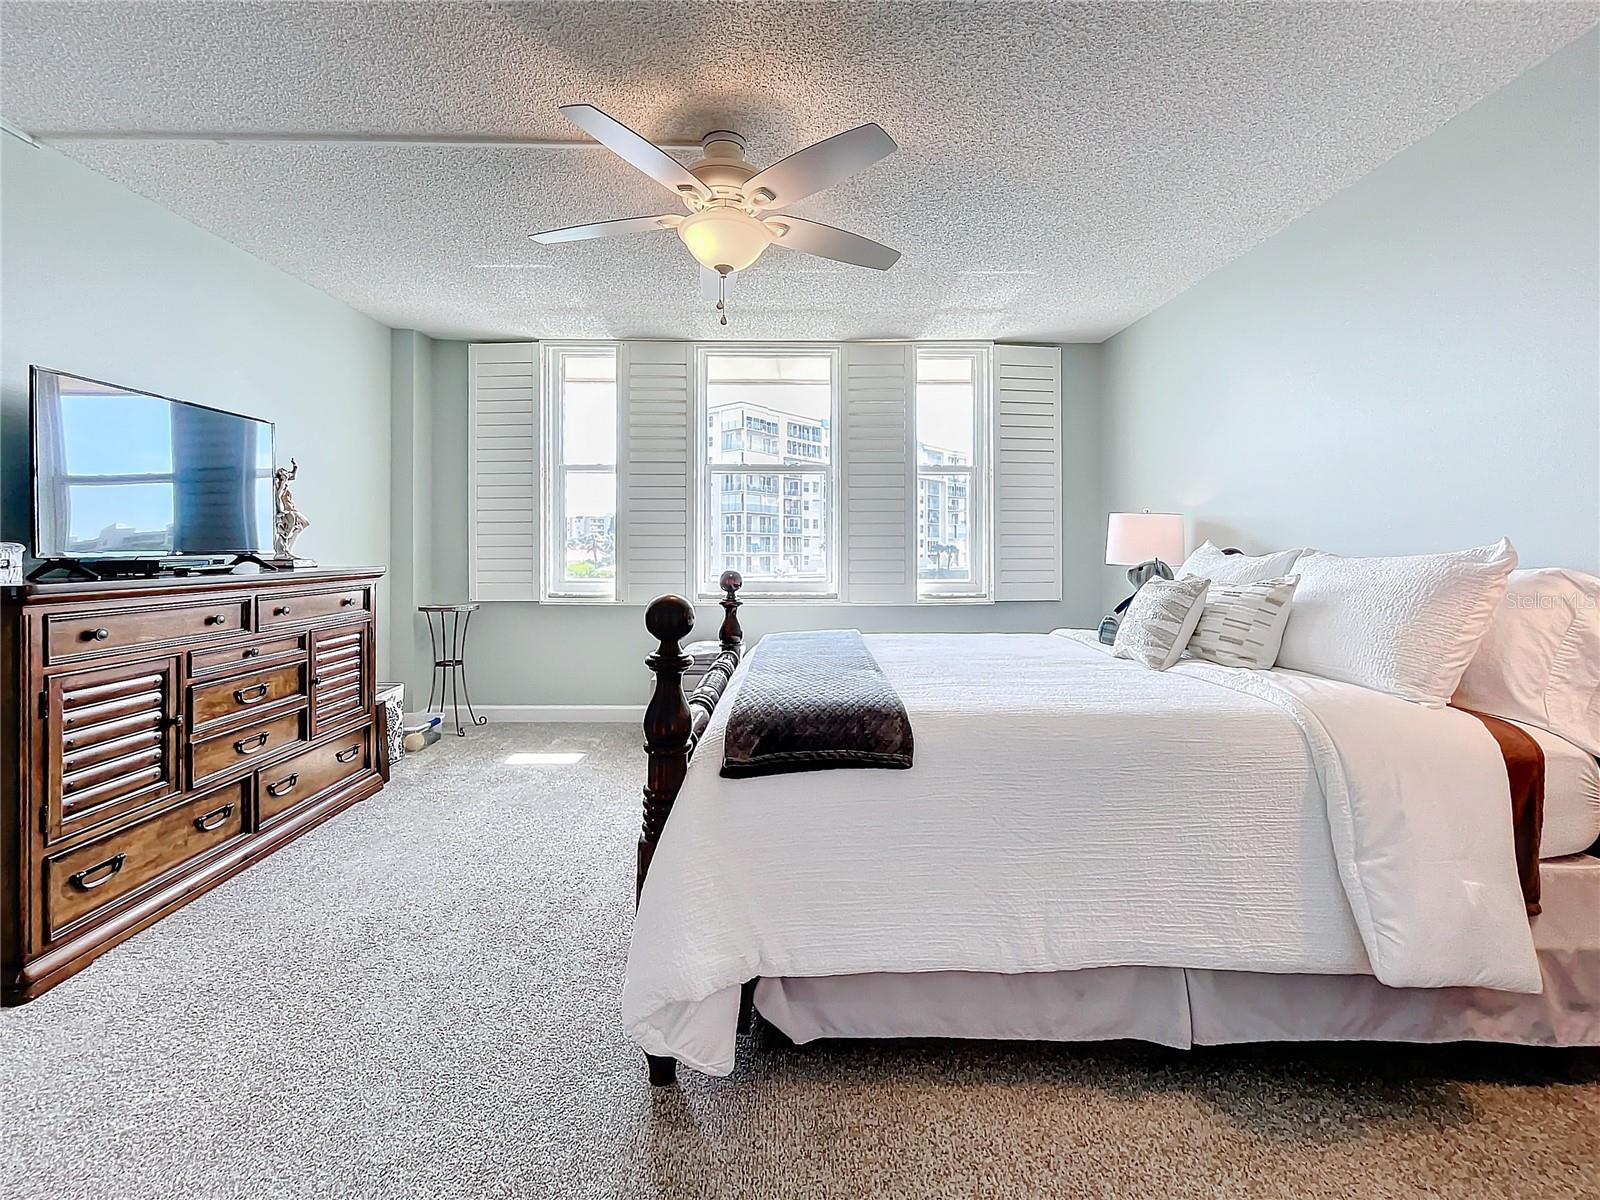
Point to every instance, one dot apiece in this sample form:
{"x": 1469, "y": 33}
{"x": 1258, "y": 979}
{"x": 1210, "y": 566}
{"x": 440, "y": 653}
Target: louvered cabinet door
{"x": 111, "y": 742}
{"x": 339, "y": 685}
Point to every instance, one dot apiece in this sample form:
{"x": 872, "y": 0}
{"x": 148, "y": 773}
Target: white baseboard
{"x": 620, "y": 714}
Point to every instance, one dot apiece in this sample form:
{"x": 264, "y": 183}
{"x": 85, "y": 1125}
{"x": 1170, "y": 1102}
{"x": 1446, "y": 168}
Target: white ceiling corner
{"x": 1063, "y": 170}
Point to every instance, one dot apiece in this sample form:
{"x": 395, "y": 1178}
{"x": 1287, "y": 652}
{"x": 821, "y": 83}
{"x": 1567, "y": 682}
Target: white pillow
{"x": 1540, "y": 661}
{"x": 1243, "y": 623}
{"x": 1209, "y": 562}
{"x": 1407, "y": 626}
{"x": 1157, "y": 625}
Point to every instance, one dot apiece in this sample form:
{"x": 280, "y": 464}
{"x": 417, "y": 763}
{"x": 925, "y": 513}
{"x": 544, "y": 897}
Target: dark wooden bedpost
{"x": 673, "y": 724}
{"x": 732, "y": 639}
{"x": 666, "y": 742}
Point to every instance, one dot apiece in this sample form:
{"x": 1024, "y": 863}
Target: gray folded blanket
{"x": 813, "y": 701}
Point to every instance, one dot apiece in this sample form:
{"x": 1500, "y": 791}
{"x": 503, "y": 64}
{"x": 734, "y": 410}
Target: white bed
{"x": 1078, "y": 824}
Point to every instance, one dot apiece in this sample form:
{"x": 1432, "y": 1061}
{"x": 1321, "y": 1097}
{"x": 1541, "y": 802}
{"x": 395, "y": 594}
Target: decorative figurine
{"x": 1138, "y": 576}
{"x": 288, "y": 522}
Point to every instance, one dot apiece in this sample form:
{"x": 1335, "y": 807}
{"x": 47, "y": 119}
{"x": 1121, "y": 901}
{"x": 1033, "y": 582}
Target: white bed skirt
{"x": 1172, "y": 1006}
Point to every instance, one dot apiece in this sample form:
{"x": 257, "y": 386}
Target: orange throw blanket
{"x": 1525, "y": 771}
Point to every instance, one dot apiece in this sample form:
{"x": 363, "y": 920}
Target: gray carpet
{"x": 420, "y": 1000}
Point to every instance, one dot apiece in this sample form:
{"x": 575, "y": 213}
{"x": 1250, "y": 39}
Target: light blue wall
{"x": 103, "y": 282}
{"x": 555, "y": 654}
{"x": 1413, "y": 366}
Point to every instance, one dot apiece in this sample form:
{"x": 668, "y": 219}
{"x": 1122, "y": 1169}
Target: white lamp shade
{"x": 1133, "y": 538}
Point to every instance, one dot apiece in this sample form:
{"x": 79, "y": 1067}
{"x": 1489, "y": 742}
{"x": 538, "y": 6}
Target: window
{"x": 604, "y": 471}
{"x": 774, "y": 411}
{"x": 951, "y": 466}
{"x": 581, "y": 471}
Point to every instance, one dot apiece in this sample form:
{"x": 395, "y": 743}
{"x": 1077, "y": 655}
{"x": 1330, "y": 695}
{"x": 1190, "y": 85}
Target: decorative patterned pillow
{"x": 1209, "y": 562}
{"x": 1242, "y": 624}
{"x": 1158, "y": 623}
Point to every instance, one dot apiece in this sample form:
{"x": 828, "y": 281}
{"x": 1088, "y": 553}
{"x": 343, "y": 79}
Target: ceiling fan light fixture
{"x": 724, "y": 239}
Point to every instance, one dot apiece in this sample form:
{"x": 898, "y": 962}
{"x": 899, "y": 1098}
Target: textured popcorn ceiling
{"x": 1064, "y": 169}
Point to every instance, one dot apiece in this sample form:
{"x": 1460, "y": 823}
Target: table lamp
{"x": 1145, "y": 543}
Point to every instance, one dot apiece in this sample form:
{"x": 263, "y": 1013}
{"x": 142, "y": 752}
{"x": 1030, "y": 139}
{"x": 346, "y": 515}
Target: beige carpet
{"x": 420, "y": 1000}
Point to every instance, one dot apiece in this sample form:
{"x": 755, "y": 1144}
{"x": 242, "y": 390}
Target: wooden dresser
{"x": 160, "y": 736}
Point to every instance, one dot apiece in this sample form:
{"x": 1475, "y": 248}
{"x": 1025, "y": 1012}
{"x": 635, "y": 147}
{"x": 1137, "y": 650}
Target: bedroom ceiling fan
{"x": 731, "y": 206}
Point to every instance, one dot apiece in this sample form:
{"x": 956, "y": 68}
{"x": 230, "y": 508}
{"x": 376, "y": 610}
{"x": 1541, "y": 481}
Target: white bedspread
{"x": 1072, "y": 810}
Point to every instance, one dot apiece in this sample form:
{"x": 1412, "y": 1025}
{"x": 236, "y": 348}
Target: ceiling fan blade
{"x": 708, "y": 284}
{"x": 822, "y": 164}
{"x": 632, "y": 149}
{"x": 600, "y": 229}
{"x": 827, "y": 242}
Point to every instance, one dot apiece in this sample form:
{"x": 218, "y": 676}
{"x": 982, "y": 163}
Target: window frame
{"x": 980, "y": 479}
{"x": 704, "y": 473}
{"x": 554, "y": 587}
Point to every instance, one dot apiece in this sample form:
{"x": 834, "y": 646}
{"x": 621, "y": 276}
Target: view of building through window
{"x": 770, "y": 453}
{"x": 586, "y": 470}
{"x": 947, "y": 421}
{"x": 770, "y": 469}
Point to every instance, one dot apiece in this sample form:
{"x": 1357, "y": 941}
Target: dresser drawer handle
{"x": 216, "y": 619}
{"x": 110, "y": 867}
{"x": 250, "y": 745}
{"x": 213, "y": 819}
{"x": 345, "y": 756}
{"x": 96, "y": 635}
{"x": 347, "y": 601}
{"x": 251, "y": 652}
{"x": 251, "y": 695}
{"x": 284, "y": 786}
{"x": 281, "y": 611}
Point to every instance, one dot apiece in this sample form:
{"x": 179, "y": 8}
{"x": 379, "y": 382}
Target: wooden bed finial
{"x": 731, "y": 636}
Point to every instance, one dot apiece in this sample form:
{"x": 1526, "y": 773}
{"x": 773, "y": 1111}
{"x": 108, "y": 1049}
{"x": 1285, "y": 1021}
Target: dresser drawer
{"x": 227, "y": 659}
{"x": 312, "y": 772}
{"x": 267, "y": 690}
{"x": 86, "y": 879}
{"x": 225, "y": 751}
{"x": 300, "y": 608}
{"x": 80, "y": 635}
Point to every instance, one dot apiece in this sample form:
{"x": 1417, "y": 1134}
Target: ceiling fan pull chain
{"x": 722, "y": 296}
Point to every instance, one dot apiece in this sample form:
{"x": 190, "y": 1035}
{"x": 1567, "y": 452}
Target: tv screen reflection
{"x": 122, "y": 472}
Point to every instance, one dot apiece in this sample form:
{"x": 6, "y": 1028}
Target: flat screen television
{"x": 120, "y": 473}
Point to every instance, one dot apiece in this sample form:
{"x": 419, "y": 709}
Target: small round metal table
{"x": 448, "y": 636}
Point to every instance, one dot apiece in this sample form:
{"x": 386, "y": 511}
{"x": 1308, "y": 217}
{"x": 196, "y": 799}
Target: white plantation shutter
{"x": 1027, "y": 473}
{"x": 878, "y": 556}
{"x": 502, "y": 470}
{"x": 654, "y": 543}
